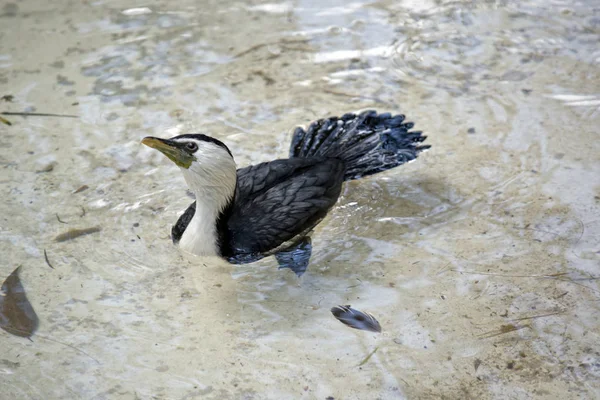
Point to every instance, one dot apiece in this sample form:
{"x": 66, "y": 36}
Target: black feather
{"x": 368, "y": 143}
{"x": 356, "y": 319}
{"x": 182, "y": 223}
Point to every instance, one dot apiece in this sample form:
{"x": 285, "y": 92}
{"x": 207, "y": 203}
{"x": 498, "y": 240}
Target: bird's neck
{"x": 214, "y": 194}
{"x": 201, "y": 236}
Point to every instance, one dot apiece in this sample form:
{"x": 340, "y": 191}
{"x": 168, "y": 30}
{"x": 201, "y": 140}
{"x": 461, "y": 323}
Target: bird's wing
{"x": 182, "y": 223}
{"x": 278, "y": 200}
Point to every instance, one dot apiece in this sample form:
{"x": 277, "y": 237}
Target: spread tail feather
{"x": 368, "y": 142}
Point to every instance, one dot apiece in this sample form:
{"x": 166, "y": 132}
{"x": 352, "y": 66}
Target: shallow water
{"x": 480, "y": 259}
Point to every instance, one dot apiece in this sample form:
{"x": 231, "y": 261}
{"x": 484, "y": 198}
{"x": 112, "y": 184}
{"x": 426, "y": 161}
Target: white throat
{"x": 201, "y": 237}
{"x": 212, "y": 179}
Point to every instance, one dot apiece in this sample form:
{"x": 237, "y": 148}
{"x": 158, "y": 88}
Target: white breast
{"x": 200, "y": 236}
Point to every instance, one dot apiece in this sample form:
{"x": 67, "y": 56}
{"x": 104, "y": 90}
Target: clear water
{"x": 480, "y": 260}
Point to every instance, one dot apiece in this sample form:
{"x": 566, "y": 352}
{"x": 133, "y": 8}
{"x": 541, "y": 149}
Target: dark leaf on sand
{"x": 5, "y": 121}
{"x": 75, "y": 233}
{"x": 16, "y": 313}
{"x": 356, "y": 319}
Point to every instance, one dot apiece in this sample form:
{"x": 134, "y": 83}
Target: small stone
{"x": 47, "y": 168}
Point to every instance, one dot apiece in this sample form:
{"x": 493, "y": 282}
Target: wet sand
{"x": 480, "y": 259}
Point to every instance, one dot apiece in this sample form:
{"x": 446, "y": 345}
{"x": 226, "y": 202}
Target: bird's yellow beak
{"x": 173, "y": 150}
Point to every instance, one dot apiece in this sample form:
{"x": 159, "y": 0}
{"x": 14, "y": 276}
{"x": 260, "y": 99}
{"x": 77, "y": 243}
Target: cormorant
{"x": 243, "y": 215}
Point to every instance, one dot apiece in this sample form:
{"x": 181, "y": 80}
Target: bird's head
{"x": 207, "y": 164}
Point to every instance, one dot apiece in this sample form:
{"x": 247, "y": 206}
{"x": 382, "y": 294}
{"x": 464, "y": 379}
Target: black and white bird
{"x": 243, "y": 215}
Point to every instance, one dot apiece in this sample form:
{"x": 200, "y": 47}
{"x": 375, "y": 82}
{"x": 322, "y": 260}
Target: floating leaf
{"x": 75, "y": 233}
{"x": 356, "y": 319}
{"x": 16, "y": 313}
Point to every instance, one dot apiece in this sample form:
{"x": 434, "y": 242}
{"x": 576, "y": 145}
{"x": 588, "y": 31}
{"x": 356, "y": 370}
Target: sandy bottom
{"x": 480, "y": 259}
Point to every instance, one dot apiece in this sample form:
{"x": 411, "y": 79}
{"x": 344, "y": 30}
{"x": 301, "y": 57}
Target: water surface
{"x": 480, "y": 260}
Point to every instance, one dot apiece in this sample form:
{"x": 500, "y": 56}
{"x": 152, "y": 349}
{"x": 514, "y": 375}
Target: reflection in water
{"x": 296, "y": 257}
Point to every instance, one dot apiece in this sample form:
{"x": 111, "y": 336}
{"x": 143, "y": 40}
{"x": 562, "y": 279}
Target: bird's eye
{"x": 191, "y": 146}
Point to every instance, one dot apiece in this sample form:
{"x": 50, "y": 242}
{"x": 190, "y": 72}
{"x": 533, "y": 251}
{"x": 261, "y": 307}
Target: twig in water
{"x": 527, "y": 228}
{"x": 28, "y": 114}
{"x": 538, "y": 316}
{"x": 67, "y": 345}
{"x": 503, "y": 329}
{"x": 261, "y": 45}
{"x": 46, "y": 258}
{"x": 367, "y": 358}
{"x": 579, "y": 284}
{"x": 509, "y": 275}
{"x": 60, "y": 220}
{"x": 81, "y": 189}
